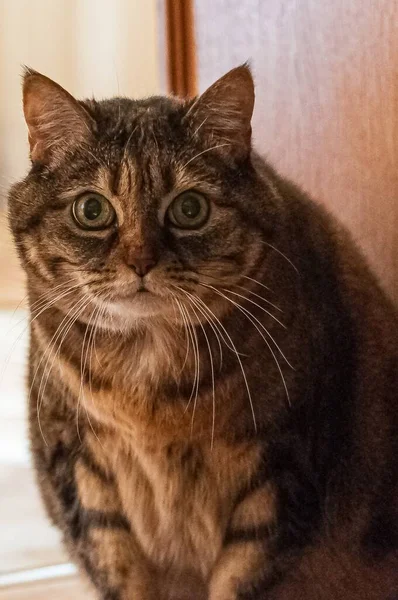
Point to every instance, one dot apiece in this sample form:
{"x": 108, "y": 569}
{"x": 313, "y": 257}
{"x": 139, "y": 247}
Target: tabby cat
{"x": 213, "y": 368}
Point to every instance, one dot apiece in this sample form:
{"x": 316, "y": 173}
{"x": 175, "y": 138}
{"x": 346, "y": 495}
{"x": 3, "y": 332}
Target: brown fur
{"x": 282, "y": 482}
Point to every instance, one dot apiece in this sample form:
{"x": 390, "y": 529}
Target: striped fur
{"x": 233, "y": 435}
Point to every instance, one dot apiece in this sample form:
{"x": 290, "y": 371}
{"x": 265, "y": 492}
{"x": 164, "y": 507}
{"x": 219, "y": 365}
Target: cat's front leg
{"x": 85, "y": 504}
{"x": 244, "y": 560}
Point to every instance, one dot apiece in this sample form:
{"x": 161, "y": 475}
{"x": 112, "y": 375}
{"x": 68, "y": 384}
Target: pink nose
{"x": 142, "y": 263}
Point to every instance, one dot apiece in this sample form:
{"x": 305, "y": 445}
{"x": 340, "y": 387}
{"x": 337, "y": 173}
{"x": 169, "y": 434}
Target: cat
{"x": 213, "y": 379}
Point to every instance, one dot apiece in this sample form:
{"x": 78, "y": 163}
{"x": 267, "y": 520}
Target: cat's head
{"x": 137, "y": 208}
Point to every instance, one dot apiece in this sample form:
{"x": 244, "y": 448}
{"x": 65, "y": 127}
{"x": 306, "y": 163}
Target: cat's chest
{"x": 179, "y": 497}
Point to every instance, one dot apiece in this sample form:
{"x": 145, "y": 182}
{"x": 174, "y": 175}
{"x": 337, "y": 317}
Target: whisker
{"x": 126, "y": 145}
{"x": 186, "y": 332}
{"x": 195, "y": 388}
{"x": 209, "y": 320}
{"x": 17, "y": 339}
{"x": 212, "y": 378}
{"x": 267, "y": 333}
{"x": 99, "y": 316}
{"x": 83, "y": 364}
{"x": 240, "y": 364}
{"x": 217, "y": 334}
{"x": 51, "y": 291}
{"x": 251, "y": 318}
{"x": 203, "y": 152}
{"x": 43, "y": 304}
{"x": 255, "y": 304}
{"x": 55, "y": 337}
{"x": 213, "y": 317}
{"x": 258, "y": 282}
{"x": 283, "y": 255}
{"x": 197, "y": 383}
{"x": 62, "y": 330}
{"x": 199, "y": 127}
{"x": 93, "y": 156}
{"x": 190, "y": 326}
{"x": 18, "y": 306}
{"x": 241, "y": 287}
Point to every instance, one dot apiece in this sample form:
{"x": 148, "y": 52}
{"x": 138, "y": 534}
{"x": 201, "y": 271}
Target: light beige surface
{"x": 60, "y": 590}
{"x": 27, "y": 540}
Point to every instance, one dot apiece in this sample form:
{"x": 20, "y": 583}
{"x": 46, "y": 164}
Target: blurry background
{"x": 326, "y": 115}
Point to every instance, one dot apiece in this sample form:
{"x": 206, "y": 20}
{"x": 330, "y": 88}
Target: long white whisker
{"x": 240, "y": 363}
{"x": 49, "y": 349}
{"x": 249, "y": 317}
{"x": 19, "y": 336}
{"x": 209, "y": 320}
{"x": 258, "y": 282}
{"x": 220, "y": 327}
{"x": 267, "y": 333}
{"x": 99, "y": 316}
{"x": 283, "y": 255}
{"x": 241, "y": 287}
{"x": 83, "y": 365}
{"x": 62, "y": 330}
{"x": 212, "y": 376}
{"x": 46, "y": 295}
{"x": 199, "y": 126}
{"x": 51, "y": 292}
{"x": 203, "y": 152}
{"x": 190, "y": 327}
{"x": 195, "y": 389}
{"x": 255, "y": 304}
{"x": 197, "y": 383}
{"x": 186, "y": 332}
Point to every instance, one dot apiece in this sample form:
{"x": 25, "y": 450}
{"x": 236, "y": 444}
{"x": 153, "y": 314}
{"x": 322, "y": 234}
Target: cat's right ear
{"x": 223, "y": 112}
{"x": 55, "y": 120}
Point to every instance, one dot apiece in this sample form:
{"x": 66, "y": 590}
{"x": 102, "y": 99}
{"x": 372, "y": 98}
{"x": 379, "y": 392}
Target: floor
{"x": 30, "y": 549}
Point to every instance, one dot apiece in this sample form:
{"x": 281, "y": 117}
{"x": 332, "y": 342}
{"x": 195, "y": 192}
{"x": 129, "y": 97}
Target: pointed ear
{"x": 224, "y": 111}
{"x": 55, "y": 120}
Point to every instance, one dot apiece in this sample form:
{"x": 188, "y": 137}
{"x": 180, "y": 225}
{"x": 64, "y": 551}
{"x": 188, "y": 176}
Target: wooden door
{"x": 327, "y": 102}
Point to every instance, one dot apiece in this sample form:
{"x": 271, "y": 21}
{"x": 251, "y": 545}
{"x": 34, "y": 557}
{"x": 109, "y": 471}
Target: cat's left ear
{"x": 55, "y": 120}
{"x": 224, "y": 111}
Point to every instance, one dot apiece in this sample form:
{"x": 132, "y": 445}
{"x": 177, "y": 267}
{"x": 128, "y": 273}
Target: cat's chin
{"x": 128, "y": 312}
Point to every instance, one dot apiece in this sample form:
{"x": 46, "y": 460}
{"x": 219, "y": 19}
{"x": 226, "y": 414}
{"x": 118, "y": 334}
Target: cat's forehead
{"x": 117, "y": 118}
{"x": 142, "y": 151}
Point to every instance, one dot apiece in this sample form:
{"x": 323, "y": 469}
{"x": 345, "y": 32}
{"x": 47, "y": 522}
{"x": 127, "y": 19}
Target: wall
{"x": 100, "y": 47}
{"x": 327, "y": 102}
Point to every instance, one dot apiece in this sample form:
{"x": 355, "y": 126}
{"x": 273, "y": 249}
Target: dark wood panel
{"x": 327, "y": 102}
{"x": 181, "y": 47}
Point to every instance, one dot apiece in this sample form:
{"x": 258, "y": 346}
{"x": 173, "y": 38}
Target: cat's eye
{"x": 190, "y": 210}
{"x": 93, "y": 211}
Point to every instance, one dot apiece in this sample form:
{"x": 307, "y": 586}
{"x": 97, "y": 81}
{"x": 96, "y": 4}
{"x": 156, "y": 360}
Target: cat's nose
{"x": 142, "y": 262}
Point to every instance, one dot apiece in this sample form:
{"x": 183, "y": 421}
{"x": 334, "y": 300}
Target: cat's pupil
{"x": 190, "y": 207}
{"x": 92, "y": 209}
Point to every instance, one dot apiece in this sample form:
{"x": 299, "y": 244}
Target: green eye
{"x": 93, "y": 211}
{"x": 190, "y": 210}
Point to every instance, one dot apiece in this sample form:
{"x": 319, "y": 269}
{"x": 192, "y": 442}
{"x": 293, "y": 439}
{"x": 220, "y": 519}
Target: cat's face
{"x": 135, "y": 209}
